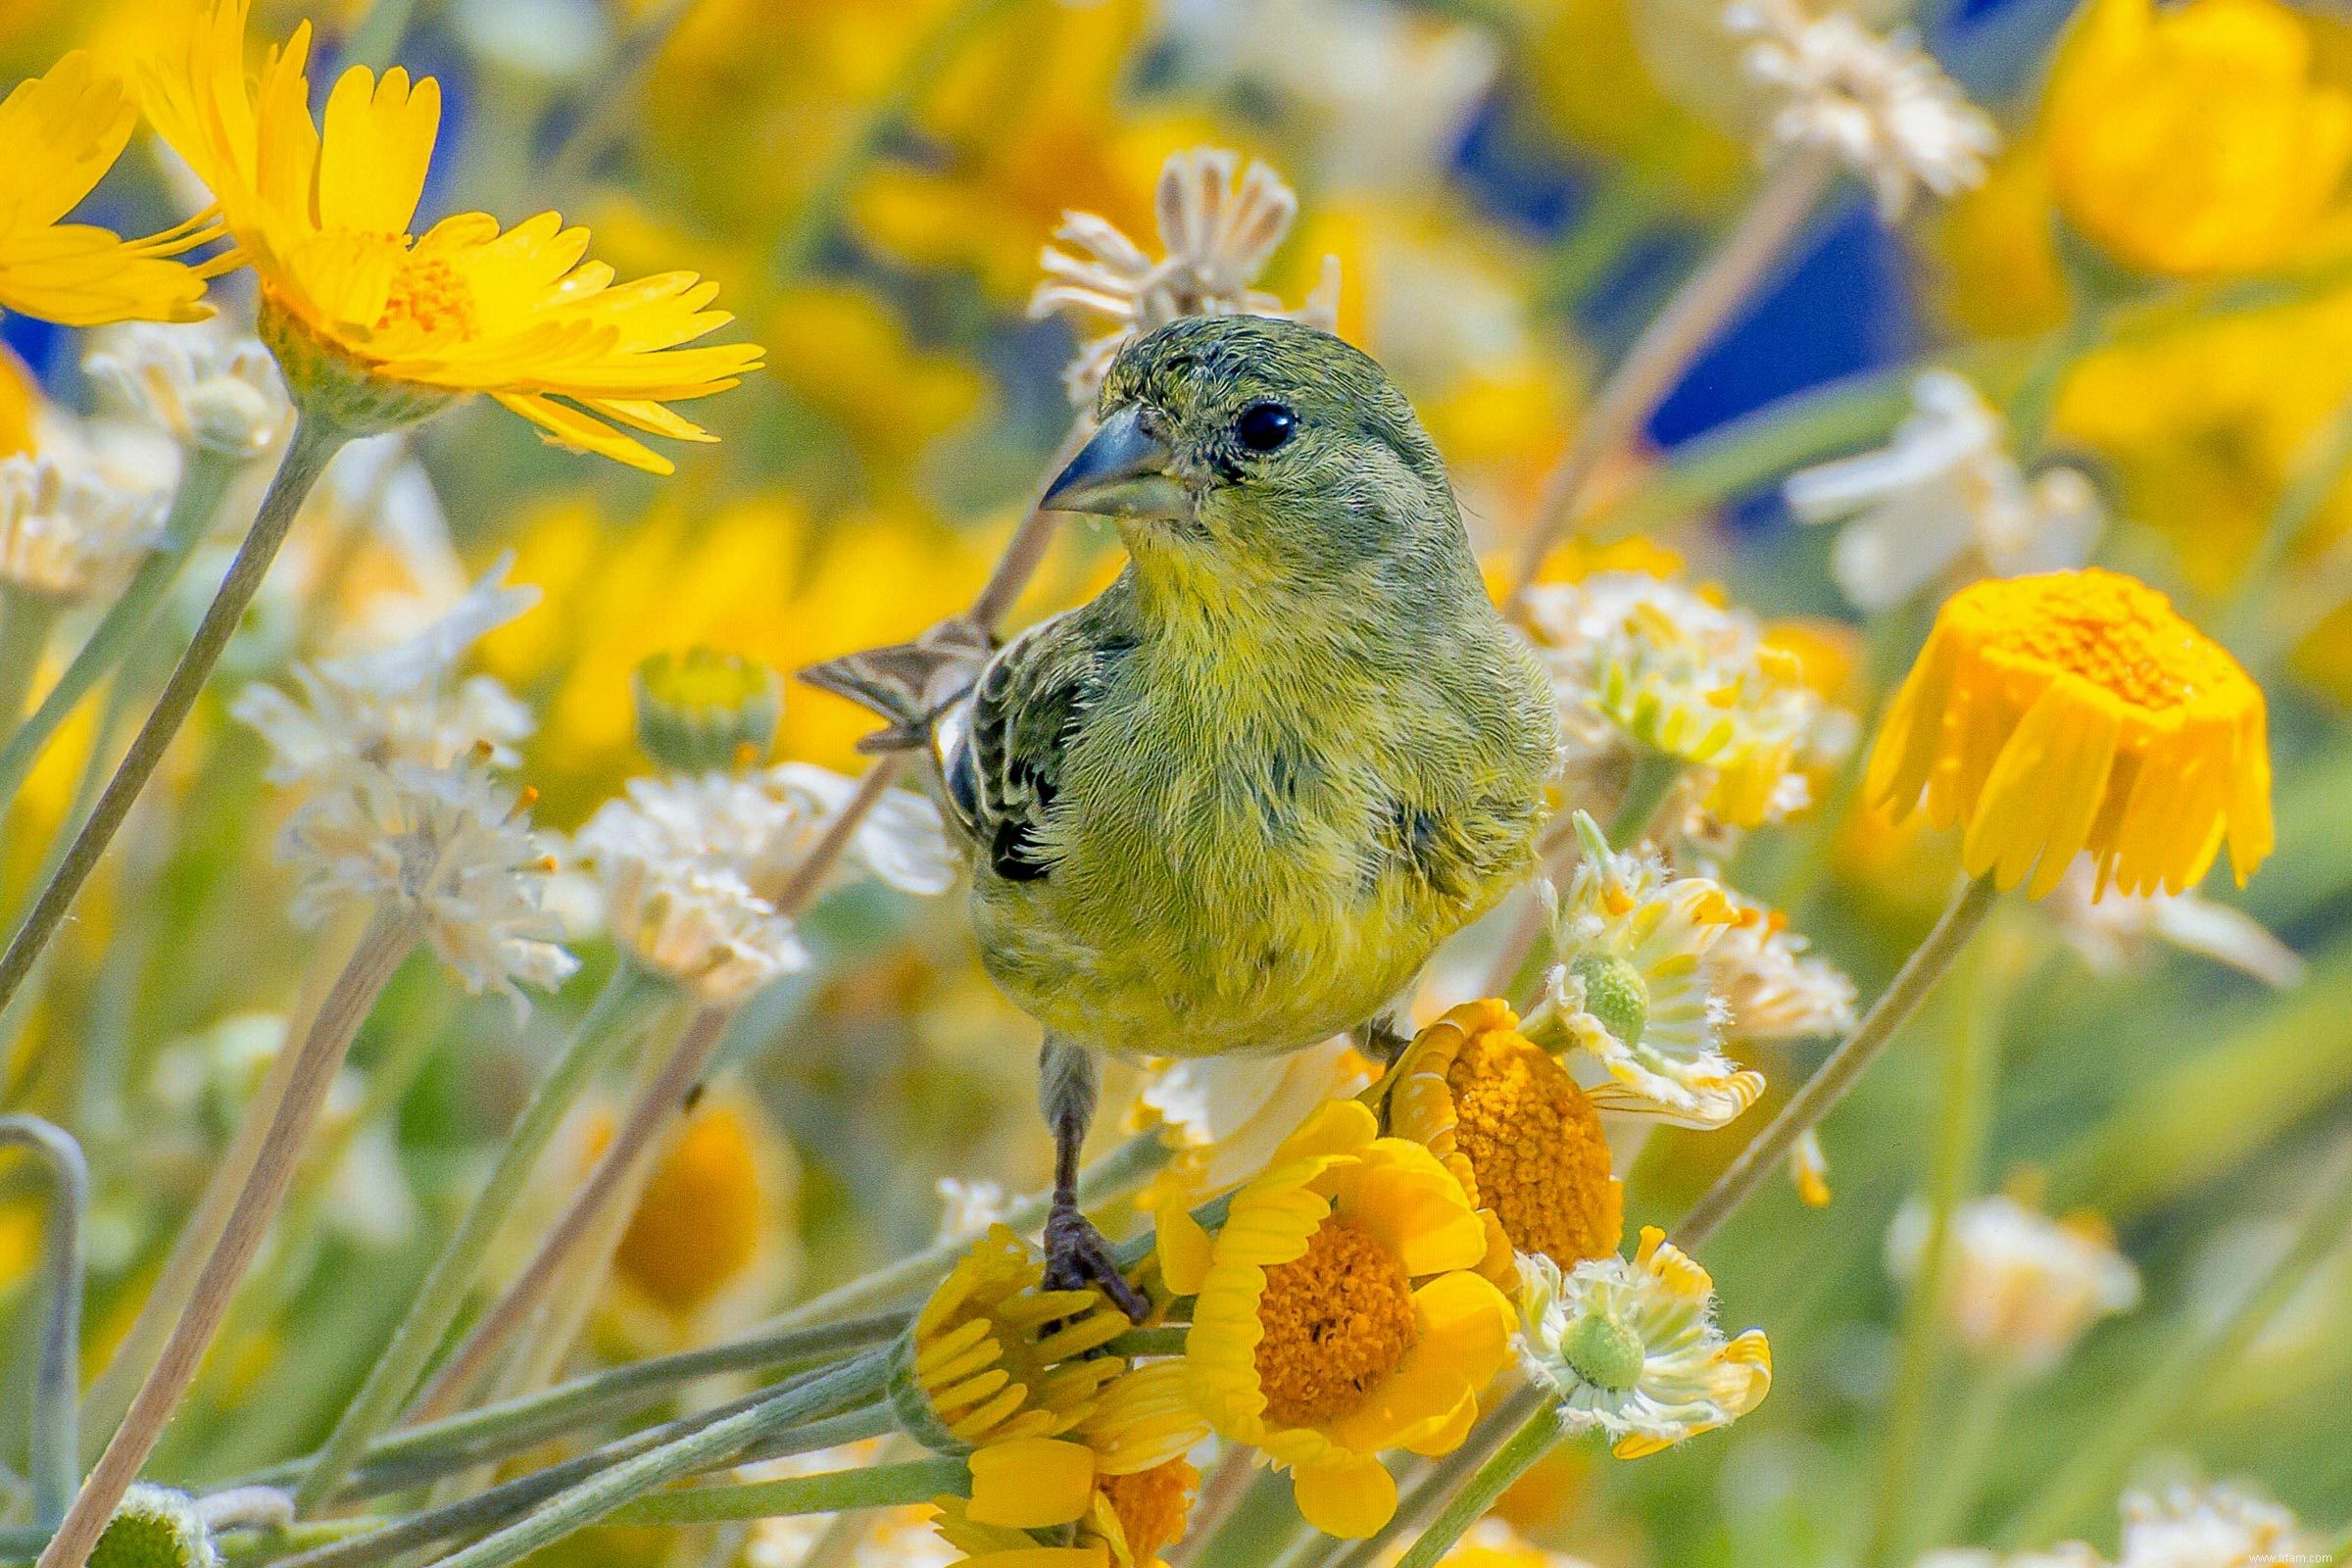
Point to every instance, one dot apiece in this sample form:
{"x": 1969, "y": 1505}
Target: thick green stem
{"x": 313, "y": 444}
{"x": 611, "y": 1022}
{"x": 318, "y": 1056}
{"x": 2200, "y": 1355}
{"x": 125, "y": 626}
{"x": 1969, "y": 1065}
{"x": 1443, "y": 1480}
{"x": 1845, "y": 1066}
{"x": 56, "y": 1448}
{"x": 1533, "y": 1418}
{"x": 26, "y": 620}
{"x": 1983, "y": 1405}
{"x": 1655, "y": 774}
{"x": 882, "y": 1486}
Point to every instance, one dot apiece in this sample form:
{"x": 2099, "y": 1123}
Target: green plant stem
{"x": 25, "y": 622}
{"x": 1655, "y": 774}
{"x": 2035, "y": 403}
{"x": 927, "y": 61}
{"x": 1443, "y": 1480}
{"x": 1666, "y": 348}
{"x": 2199, "y": 1354}
{"x": 1123, "y": 1170}
{"x": 56, "y": 1446}
{"x": 1845, "y": 1065}
{"x": 308, "y": 452}
{"x": 616, "y": 102}
{"x": 126, "y": 625}
{"x": 1220, "y": 1494}
{"x": 390, "y": 934}
{"x": 1970, "y": 1062}
{"x": 715, "y": 1444}
{"x": 2319, "y": 470}
{"x": 1532, "y": 1419}
{"x": 611, "y": 1022}
{"x": 881, "y": 1486}
{"x": 1983, "y": 1405}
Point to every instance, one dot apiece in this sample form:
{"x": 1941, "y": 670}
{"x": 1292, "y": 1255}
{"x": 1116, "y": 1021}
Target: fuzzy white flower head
{"x": 1639, "y": 665}
{"x": 2111, "y": 933}
{"x": 1632, "y": 995}
{"x": 901, "y": 842}
{"x": 967, "y": 1209}
{"x": 2226, "y": 1525}
{"x": 1226, "y": 1117}
{"x": 1945, "y": 503}
{"x": 2025, "y": 1288}
{"x": 1631, "y": 1347}
{"x": 675, "y": 901}
{"x": 450, "y": 846}
{"x": 1879, "y": 106}
{"x": 156, "y": 1527}
{"x": 396, "y": 704}
{"x": 206, "y": 387}
{"x": 1218, "y": 223}
{"x": 67, "y": 531}
{"x": 1774, "y": 987}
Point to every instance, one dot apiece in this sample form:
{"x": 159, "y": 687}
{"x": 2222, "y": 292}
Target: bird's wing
{"x": 1005, "y": 768}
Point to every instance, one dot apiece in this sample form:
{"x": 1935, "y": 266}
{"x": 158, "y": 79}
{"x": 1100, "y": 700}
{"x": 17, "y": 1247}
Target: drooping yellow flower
{"x": 1140, "y": 1421}
{"x": 2075, "y": 711}
{"x": 1525, "y": 1142}
{"x": 1127, "y": 1519}
{"x": 717, "y": 1216}
{"x": 375, "y": 326}
{"x": 2193, "y": 140}
{"x": 62, "y": 131}
{"x": 1339, "y": 1314}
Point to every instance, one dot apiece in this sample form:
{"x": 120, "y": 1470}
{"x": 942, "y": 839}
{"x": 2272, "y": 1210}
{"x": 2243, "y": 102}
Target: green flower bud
{"x": 1614, "y": 992}
{"x": 703, "y": 709}
{"x": 1605, "y": 1352}
{"x": 154, "y": 1526}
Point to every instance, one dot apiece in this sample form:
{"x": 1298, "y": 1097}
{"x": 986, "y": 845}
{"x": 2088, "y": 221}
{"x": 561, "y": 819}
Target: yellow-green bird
{"x": 1234, "y": 803}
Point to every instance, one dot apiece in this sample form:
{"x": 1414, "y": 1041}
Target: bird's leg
{"x": 1076, "y": 1255}
{"x": 1383, "y": 1039}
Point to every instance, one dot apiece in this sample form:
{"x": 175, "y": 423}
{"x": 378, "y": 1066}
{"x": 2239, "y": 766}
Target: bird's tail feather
{"x": 910, "y": 684}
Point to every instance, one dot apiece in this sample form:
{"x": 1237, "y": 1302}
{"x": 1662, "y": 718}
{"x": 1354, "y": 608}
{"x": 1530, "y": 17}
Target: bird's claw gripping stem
{"x": 1078, "y": 1258}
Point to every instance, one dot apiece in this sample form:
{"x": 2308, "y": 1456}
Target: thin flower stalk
{"x": 129, "y": 620}
{"x": 1970, "y": 1062}
{"x": 611, "y": 1022}
{"x": 1845, "y": 1065}
{"x": 55, "y": 1461}
{"x": 881, "y": 1486}
{"x": 1669, "y": 345}
{"x": 2200, "y": 1352}
{"x": 390, "y": 937}
{"x": 26, "y": 620}
{"x": 308, "y": 452}
{"x": 634, "y": 1144}
{"x": 1532, "y": 1420}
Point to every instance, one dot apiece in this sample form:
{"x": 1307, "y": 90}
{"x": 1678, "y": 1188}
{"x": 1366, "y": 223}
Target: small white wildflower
{"x": 1881, "y": 106}
{"x": 1226, "y": 1117}
{"x": 206, "y": 388}
{"x": 2113, "y": 932}
{"x": 1218, "y": 223}
{"x": 1639, "y": 665}
{"x": 902, "y": 843}
{"x": 674, "y": 901}
{"x": 2226, "y": 1525}
{"x": 67, "y": 531}
{"x": 966, "y": 1209}
{"x": 395, "y": 704}
{"x": 2025, "y": 1288}
{"x": 156, "y": 1527}
{"x": 1631, "y": 1347}
{"x": 1944, "y": 502}
{"x": 1774, "y": 987}
{"x": 1631, "y": 992}
{"x": 452, "y": 848}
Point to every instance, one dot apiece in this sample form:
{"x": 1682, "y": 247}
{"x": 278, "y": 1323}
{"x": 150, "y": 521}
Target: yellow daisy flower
{"x": 1525, "y": 1142}
{"x": 1143, "y": 1420}
{"x": 62, "y": 131}
{"x": 1339, "y": 1314}
{"x": 1127, "y": 1520}
{"x": 2077, "y": 713}
{"x": 377, "y": 327}
{"x": 1632, "y": 1348}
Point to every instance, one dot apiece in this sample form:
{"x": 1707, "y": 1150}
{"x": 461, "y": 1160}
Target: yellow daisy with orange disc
{"x": 1524, "y": 1141}
{"x": 375, "y": 326}
{"x": 1339, "y": 1314}
{"x": 2077, "y": 713}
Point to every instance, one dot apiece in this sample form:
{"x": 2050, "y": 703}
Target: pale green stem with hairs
{"x": 308, "y": 452}
{"x": 56, "y": 1448}
{"x": 1970, "y": 1062}
{"x": 1447, "y": 1476}
{"x": 1532, "y": 1417}
{"x": 884, "y": 1486}
{"x": 124, "y": 629}
{"x": 611, "y": 1022}
{"x": 2199, "y": 1354}
{"x": 1845, "y": 1065}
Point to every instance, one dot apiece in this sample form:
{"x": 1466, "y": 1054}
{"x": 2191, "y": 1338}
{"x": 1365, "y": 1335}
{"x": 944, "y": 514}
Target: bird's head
{"x": 1243, "y": 452}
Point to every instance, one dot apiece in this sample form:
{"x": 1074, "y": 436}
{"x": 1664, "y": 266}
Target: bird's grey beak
{"x": 1124, "y": 472}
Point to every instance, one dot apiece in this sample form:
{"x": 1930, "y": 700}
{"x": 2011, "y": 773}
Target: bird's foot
{"x": 1078, "y": 1258}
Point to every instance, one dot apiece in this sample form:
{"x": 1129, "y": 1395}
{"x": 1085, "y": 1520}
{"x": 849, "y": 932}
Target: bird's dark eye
{"x": 1263, "y": 427}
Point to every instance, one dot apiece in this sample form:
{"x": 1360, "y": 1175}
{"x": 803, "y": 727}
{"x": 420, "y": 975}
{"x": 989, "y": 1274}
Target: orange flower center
{"x": 1153, "y": 1506}
{"x": 429, "y": 299}
{"x": 1535, "y": 1144}
{"x": 1337, "y": 1321}
{"x": 2119, "y": 635}
{"x": 697, "y": 1227}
